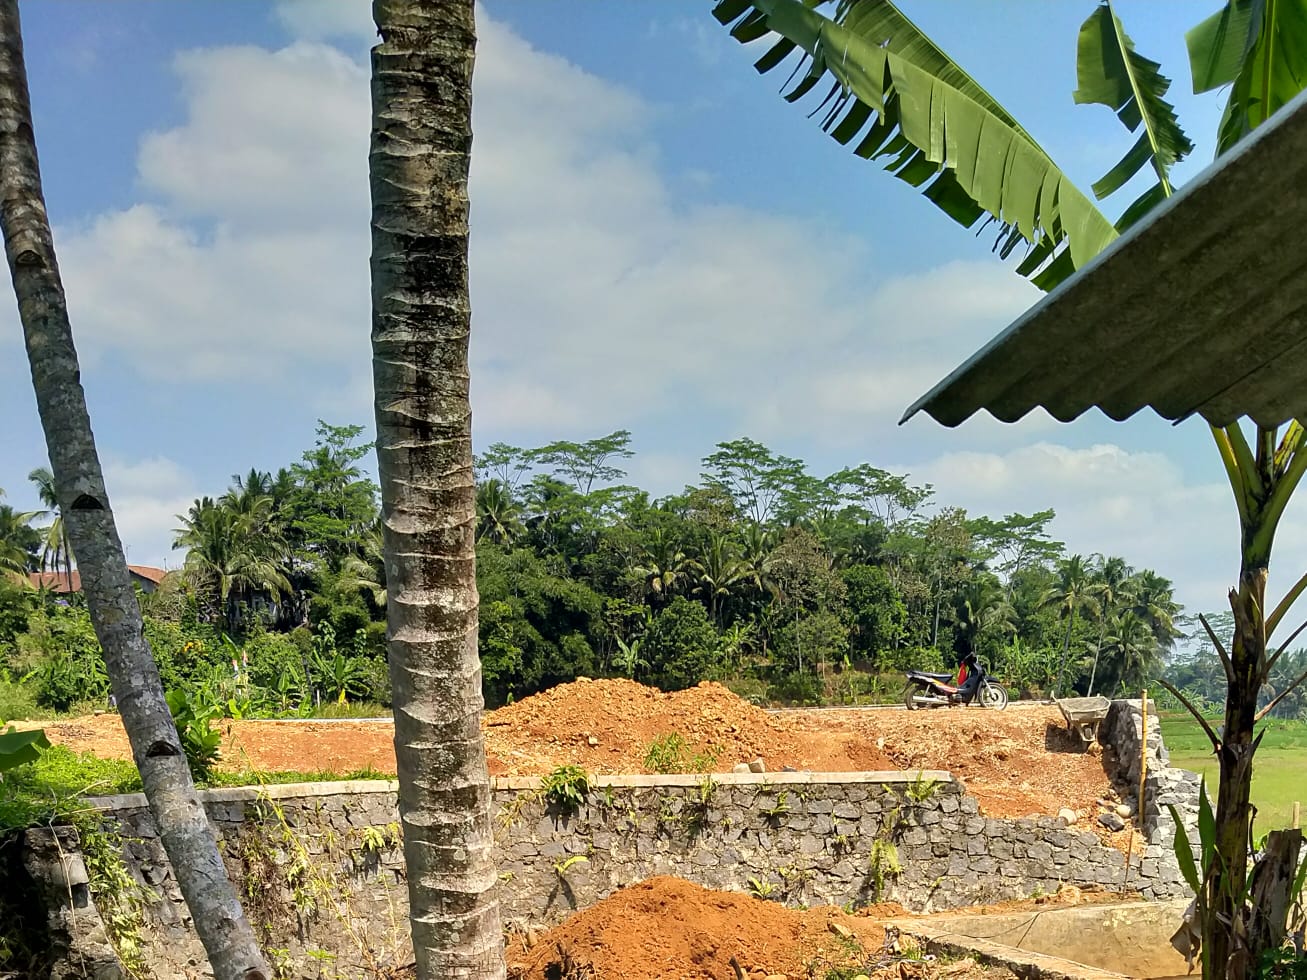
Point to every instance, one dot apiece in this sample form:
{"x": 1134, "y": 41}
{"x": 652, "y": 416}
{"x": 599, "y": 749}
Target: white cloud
{"x": 1109, "y": 501}
{"x": 320, "y": 20}
{"x": 270, "y": 139}
{"x": 146, "y": 496}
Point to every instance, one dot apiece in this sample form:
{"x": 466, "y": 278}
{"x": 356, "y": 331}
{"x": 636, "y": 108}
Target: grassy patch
{"x": 1279, "y": 768}
{"x": 55, "y": 786}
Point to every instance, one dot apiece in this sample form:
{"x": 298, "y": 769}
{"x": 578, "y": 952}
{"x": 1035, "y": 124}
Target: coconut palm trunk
{"x": 178, "y": 814}
{"x": 421, "y": 140}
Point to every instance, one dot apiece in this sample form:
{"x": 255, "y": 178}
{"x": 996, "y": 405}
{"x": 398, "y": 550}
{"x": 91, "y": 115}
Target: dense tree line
{"x": 786, "y": 585}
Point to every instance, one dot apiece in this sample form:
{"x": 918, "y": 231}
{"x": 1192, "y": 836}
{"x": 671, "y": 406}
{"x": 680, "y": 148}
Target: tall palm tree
{"x": 1071, "y": 595}
{"x": 56, "y": 552}
{"x": 421, "y": 318}
{"x": 1130, "y": 652}
{"x": 983, "y": 610}
{"x": 664, "y": 565}
{"x": 1110, "y": 584}
{"x": 756, "y": 546}
{"x": 16, "y": 535}
{"x": 499, "y": 515}
{"x": 1152, "y": 599}
{"x": 895, "y": 96}
{"x": 179, "y": 816}
{"x": 366, "y": 571}
{"x": 719, "y": 571}
{"x": 232, "y": 554}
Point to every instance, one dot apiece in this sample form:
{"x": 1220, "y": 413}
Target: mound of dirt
{"x": 666, "y": 927}
{"x": 607, "y": 726}
{"x": 1016, "y": 762}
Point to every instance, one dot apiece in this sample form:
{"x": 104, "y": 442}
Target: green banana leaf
{"x": 1259, "y": 49}
{"x": 1184, "y": 854}
{"x": 907, "y": 103}
{"x": 18, "y": 748}
{"x": 1110, "y": 72}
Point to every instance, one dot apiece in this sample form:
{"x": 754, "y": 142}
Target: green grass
{"x": 1279, "y": 768}
{"x": 56, "y": 785}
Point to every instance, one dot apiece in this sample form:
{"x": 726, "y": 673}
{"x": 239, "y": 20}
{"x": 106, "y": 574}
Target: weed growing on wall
{"x": 118, "y": 896}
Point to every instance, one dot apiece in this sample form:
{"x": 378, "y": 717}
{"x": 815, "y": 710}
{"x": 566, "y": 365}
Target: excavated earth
{"x": 1016, "y": 762}
{"x": 666, "y": 928}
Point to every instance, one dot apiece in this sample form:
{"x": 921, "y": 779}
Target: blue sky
{"x": 660, "y": 243}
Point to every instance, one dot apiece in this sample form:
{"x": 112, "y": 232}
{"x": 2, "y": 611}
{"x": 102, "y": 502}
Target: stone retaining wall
{"x": 321, "y": 873}
{"x": 320, "y": 870}
{"x": 1121, "y": 734}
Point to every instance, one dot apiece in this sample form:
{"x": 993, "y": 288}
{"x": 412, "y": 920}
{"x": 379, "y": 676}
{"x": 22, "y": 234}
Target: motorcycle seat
{"x": 934, "y": 677}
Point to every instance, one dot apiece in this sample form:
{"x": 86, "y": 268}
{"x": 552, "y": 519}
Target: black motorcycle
{"x": 973, "y": 686}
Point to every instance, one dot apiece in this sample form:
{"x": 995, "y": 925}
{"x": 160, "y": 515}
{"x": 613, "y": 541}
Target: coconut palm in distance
{"x": 79, "y": 487}
{"x": 56, "y": 552}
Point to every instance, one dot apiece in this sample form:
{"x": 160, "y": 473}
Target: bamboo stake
{"x": 1297, "y": 815}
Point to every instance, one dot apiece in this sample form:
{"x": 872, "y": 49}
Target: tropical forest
{"x": 788, "y": 586}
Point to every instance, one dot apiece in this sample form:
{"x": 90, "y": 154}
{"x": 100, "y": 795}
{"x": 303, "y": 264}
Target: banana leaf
{"x": 896, "y": 97}
{"x": 1259, "y": 49}
{"x": 18, "y": 748}
{"x": 1110, "y": 72}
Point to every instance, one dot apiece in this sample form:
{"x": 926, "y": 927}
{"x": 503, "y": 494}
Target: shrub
{"x": 200, "y": 740}
{"x": 911, "y": 658}
{"x": 61, "y": 651}
{"x": 17, "y": 700}
{"x": 681, "y": 645}
{"x": 670, "y": 753}
{"x": 566, "y": 787}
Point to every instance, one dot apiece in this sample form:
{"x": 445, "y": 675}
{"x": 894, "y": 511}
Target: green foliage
{"x": 1283, "y": 963}
{"x": 63, "y": 655}
{"x": 118, "y": 896}
{"x": 897, "y": 97}
{"x": 884, "y": 861}
{"x": 761, "y": 887}
{"x": 566, "y": 787}
{"x": 921, "y": 789}
{"x": 17, "y": 698}
{"x": 1111, "y": 72}
{"x": 671, "y": 754}
{"x": 788, "y": 585}
{"x": 681, "y": 645}
{"x": 200, "y": 739}
{"x": 18, "y": 748}
{"x": 1257, "y": 48}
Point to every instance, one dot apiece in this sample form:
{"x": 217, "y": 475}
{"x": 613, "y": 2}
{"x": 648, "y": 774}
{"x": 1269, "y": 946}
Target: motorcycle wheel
{"x": 909, "y": 701}
{"x": 993, "y": 696}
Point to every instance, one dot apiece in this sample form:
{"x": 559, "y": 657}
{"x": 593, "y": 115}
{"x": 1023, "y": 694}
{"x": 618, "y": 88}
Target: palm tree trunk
{"x": 180, "y": 818}
{"x": 421, "y": 139}
{"x": 1066, "y": 652}
{"x": 1098, "y": 650}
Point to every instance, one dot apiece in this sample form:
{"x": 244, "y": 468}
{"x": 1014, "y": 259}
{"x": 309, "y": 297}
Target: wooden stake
{"x": 1297, "y": 815}
{"x": 1139, "y": 800}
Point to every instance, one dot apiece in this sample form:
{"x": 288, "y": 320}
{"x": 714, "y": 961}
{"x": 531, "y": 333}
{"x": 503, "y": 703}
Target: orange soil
{"x": 1016, "y": 762}
{"x": 666, "y": 927}
{"x": 669, "y": 929}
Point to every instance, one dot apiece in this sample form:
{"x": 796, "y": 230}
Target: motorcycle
{"x": 924, "y": 690}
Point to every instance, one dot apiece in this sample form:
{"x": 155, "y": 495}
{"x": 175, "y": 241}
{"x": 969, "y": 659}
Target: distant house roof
{"x": 61, "y": 583}
{"x": 1199, "y": 309}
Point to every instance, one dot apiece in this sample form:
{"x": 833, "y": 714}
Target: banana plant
{"x": 18, "y": 748}
{"x": 896, "y": 97}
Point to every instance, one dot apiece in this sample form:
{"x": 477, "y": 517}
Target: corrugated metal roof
{"x": 1199, "y": 309}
